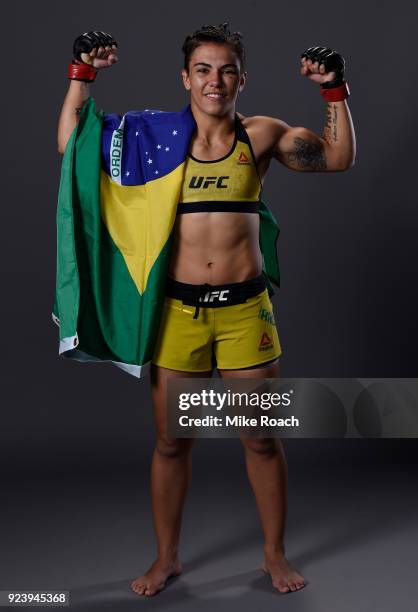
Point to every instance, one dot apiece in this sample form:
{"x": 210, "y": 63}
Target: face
{"x": 214, "y": 78}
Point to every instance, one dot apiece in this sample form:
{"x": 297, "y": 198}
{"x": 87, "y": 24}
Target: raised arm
{"x": 77, "y": 94}
{"x": 301, "y": 149}
{"x": 93, "y": 51}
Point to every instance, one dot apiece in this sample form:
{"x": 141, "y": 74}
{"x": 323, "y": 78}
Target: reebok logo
{"x": 265, "y": 343}
{"x": 243, "y": 159}
{"x": 203, "y": 182}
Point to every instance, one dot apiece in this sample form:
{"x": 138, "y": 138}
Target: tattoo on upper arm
{"x": 330, "y": 129}
{"x": 334, "y": 122}
{"x": 78, "y": 109}
{"x": 307, "y": 155}
{"x": 328, "y": 116}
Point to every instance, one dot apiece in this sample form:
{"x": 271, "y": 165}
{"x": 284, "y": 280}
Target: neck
{"x": 211, "y": 128}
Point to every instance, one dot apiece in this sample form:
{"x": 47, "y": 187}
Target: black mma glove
{"x": 89, "y": 40}
{"x": 333, "y": 62}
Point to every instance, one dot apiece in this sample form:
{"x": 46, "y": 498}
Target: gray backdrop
{"x": 347, "y": 249}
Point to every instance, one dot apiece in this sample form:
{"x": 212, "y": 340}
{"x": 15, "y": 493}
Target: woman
{"x": 216, "y": 290}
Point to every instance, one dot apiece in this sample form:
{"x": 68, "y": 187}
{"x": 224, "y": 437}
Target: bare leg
{"x": 170, "y": 478}
{"x": 267, "y": 473}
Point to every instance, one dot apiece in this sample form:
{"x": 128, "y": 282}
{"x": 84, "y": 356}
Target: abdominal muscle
{"x": 216, "y": 248}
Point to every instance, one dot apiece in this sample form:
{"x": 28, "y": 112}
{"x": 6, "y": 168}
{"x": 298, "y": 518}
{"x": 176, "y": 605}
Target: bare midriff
{"x": 216, "y": 248}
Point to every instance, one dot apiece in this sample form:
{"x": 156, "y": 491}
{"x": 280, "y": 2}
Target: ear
{"x": 242, "y": 81}
{"x": 186, "y": 80}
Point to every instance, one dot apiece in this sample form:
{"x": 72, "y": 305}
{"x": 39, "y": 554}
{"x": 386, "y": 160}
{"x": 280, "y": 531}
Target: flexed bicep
{"x": 302, "y": 150}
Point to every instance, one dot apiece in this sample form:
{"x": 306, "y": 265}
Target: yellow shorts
{"x": 228, "y": 337}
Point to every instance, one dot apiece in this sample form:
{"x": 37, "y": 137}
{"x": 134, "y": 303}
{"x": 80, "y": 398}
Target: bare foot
{"x": 156, "y": 577}
{"x": 283, "y": 577}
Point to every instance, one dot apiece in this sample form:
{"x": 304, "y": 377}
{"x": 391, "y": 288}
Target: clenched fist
{"x": 323, "y": 65}
{"x": 96, "y": 49}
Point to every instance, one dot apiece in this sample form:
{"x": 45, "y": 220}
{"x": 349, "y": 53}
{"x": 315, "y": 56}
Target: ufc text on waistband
{"x": 214, "y": 296}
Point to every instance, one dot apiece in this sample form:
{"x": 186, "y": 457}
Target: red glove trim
{"x": 335, "y": 94}
{"x": 81, "y": 72}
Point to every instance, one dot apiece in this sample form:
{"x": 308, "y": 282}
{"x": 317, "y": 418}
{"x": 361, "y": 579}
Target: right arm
{"x": 98, "y": 50}
{"x": 77, "y": 94}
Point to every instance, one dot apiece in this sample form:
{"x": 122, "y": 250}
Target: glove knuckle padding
{"x": 323, "y": 53}
{"x": 332, "y": 60}
{"x": 91, "y": 40}
{"x": 313, "y": 53}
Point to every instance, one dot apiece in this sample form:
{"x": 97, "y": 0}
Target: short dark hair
{"x": 217, "y": 34}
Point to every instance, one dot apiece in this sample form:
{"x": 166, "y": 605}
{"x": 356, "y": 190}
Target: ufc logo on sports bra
{"x": 198, "y": 182}
{"x": 210, "y": 296}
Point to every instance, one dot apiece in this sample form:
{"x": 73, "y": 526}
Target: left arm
{"x": 301, "y": 149}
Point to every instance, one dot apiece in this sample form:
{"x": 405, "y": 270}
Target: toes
{"x": 285, "y": 583}
{"x": 151, "y": 591}
{"x": 138, "y": 587}
{"x": 282, "y": 587}
{"x": 147, "y": 586}
{"x": 299, "y": 581}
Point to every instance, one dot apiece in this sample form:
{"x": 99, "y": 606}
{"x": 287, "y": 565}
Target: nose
{"x": 215, "y": 78}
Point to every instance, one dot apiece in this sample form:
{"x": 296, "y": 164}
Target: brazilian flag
{"x": 120, "y": 184}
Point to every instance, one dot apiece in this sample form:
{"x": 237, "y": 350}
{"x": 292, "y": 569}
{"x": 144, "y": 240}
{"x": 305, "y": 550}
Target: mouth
{"x": 215, "y": 96}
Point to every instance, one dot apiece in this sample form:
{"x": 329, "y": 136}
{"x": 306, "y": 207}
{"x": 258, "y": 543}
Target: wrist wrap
{"x": 79, "y": 71}
{"x": 335, "y": 94}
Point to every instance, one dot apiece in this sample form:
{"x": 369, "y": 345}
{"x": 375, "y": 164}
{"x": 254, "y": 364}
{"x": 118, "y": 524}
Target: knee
{"x": 172, "y": 448}
{"x": 260, "y": 446}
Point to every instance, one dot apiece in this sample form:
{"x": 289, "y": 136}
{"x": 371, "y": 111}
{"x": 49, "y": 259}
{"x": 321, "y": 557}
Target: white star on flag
{"x": 127, "y": 173}
{"x": 149, "y": 161}
{"x": 167, "y": 148}
{"x": 146, "y": 152}
{"x": 174, "y": 132}
{"x": 136, "y": 133}
{"x": 158, "y": 146}
{"x": 156, "y": 172}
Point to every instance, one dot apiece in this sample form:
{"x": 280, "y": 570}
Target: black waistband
{"x": 214, "y": 296}
{"x": 217, "y": 206}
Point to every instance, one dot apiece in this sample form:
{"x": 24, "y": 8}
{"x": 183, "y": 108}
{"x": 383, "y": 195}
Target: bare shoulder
{"x": 264, "y": 132}
{"x": 262, "y": 122}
